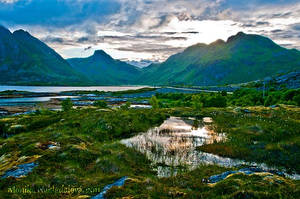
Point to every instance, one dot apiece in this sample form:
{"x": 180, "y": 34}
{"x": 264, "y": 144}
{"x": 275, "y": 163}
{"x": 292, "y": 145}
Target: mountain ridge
{"x": 102, "y": 69}
{"x": 25, "y": 60}
{"x": 243, "y": 57}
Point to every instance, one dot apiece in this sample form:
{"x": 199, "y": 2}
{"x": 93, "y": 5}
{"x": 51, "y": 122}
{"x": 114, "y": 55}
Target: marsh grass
{"x": 90, "y": 155}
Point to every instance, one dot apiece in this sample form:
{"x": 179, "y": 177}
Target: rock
{"x": 237, "y": 109}
{"x": 207, "y": 120}
{"x": 246, "y": 111}
{"x": 118, "y": 183}
{"x": 246, "y": 171}
{"x": 81, "y": 146}
{"x": 21, "y": 171}
{"x": 217, "y": 178}
{"x": 16, "y": 128}
{"x": 48, "y": 145}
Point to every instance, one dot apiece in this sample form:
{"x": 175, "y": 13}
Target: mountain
{"x": 242, "y": 58}
{"x": 142, "y": 63}
{"x": 104, "y": 70}
{"x": 26, "y": 60}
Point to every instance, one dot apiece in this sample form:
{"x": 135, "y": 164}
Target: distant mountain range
{"x": 25, "y": 60}
{"x": 141, "y": 63}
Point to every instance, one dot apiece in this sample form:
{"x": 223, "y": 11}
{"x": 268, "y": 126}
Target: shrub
{"x": 67, "y": 105}
{"x": 154, "y": 102}
{"x": 100, "y": 104}
{"x": 126, "y": 106}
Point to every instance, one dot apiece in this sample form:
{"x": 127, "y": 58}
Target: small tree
{"x": 154, "y": 102}
{"x": 100, "y": 104}
{"x": 224, "y": 93}
{"x": 126, "y": 106}
{"x": 196, "y": 101}
{"x": 67, "y": 105}
{"x": 297, "y": 99}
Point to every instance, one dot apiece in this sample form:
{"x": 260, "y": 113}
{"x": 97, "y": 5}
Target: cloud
{"x": 87, "y": 48}
{"x": 153, "y": 29}
{"x": 50, "y": 39}
{"x": 56, "y": 13}
{"x": 296, "y": 26}
{"x": 8, "y": 1}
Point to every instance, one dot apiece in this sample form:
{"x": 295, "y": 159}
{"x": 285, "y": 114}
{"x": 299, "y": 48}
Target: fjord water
{"x": 53, "y": 89}
{"x": 29, "y": 100}
{"x": 57, "y": 89}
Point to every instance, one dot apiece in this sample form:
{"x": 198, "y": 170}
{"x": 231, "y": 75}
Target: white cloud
{"x": 160, "y": 27}
{"x": 8, "y": 1}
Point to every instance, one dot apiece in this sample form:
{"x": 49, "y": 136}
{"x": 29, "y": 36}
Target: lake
{"x": 57, "y": 89}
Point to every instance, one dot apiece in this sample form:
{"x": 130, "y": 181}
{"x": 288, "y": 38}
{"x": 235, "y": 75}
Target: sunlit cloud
{"x": 149, "y": 29}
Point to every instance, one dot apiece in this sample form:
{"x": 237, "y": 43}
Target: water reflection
{"x": 172, "y": 145}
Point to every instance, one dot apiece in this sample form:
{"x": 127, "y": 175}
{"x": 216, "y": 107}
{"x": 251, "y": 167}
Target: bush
{"x": 196, "y": 101}
{"x": 100, "y": 104}
{"x": 126, "y": 106}
{"x": 297, "y": 99}
{"x": 67, "y": 105}
{"x": 154, "y": 102}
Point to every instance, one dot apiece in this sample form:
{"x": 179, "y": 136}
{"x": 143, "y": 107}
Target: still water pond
{"x": 172, "y": 145}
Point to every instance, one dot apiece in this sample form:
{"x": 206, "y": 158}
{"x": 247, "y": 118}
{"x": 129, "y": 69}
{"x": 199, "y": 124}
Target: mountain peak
{"x": 21, "y": 32}
{"x": 239, "y": 35}
{"x": 101, "y": 54}
{"x": 217, "y": 42}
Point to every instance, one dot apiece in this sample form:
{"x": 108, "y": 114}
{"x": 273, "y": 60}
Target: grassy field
{"x": 87, "y": 154}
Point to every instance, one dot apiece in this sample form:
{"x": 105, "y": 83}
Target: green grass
{"x": 266, "y": 136}
{"x": 90, "y": 155}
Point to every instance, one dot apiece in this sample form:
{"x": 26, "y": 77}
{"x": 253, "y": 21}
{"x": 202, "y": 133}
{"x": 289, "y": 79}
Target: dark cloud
{"x": 296, "y": 26}
{"x": 259, "y": 23}
{"x": 282, "y": 15}
{"x": 138, "y": 48}
{"x": 83, "y": 40}
{"x": 247, "y": 25}
{"x": 288, "y": 45}
{"x": 50, "y": 39}
{"x": 57, "y": 13}
{"x": 140, "y": 22}
{"x": 190, "y": 32}
{"x": 127, "y": 39}
{"x": 87, "y": 48}
{"x": 251, "y": 24}
{"x": 276, "y": 31}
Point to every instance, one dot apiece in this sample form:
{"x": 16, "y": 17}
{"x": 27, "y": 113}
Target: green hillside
{"x": 242, "y": 58}
{"x": 26, "y": 60}
{"x": 104, "y": 70}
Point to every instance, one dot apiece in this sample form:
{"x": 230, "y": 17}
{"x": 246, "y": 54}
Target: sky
{"x": 148, "y": 29}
